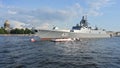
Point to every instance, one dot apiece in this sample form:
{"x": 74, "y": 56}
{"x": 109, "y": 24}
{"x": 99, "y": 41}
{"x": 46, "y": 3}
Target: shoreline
{"x": 17, "y": 35}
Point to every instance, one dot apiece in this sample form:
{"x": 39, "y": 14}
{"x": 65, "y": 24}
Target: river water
{"x": 20, "y": 52}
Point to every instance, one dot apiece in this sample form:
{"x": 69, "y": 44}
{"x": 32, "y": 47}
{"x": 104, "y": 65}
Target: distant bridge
{"x": 117, "y": 33}
{"x": 114, "y": 33}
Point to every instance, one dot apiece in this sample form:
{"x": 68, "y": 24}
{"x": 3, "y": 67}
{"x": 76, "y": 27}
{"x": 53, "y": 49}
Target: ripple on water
{"x": 19, "y": 52}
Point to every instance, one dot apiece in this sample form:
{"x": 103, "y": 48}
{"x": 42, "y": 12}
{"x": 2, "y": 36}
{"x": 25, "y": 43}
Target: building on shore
{"x": 7, "y": 26}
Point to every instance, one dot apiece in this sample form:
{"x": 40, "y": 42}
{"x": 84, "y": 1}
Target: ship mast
{"x": 83, "y": 22}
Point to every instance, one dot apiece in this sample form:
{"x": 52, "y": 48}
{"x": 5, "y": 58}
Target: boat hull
{"x": 50, "y": 34}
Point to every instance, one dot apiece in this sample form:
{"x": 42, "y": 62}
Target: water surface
{"x": 19, "y": 52}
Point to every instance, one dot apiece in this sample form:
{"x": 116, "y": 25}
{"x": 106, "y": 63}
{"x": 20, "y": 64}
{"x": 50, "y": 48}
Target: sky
{"x": 45, "y": 14}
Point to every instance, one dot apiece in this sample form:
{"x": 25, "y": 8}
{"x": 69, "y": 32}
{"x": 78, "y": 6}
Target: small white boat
{"x": 62, "y": 40}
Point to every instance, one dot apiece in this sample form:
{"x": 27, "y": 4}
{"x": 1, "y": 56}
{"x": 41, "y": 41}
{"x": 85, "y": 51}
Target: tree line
{"x": 16, "y": 31}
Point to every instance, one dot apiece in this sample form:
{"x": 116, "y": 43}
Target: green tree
{"x": 15, "y": 31}
{"x": 21, "y": 31}
{"x": 2, "y": 31}
{"x": 5, "y": 31}
{"x": 27, "y": 31}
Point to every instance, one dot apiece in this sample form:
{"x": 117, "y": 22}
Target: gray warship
{"x": 81, "y": 30}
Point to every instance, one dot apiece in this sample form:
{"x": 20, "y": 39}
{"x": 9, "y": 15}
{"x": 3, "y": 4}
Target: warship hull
{"x": 51, "y": 34}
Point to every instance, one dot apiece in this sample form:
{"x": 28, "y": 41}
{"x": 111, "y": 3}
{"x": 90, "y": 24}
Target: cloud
{"x": 46, "y": 17}
{"x": 44, "y": 26}
{"x": 17, "y": 24}
{"x": 96, "y": 5}
{"x": 54, "y": 15}
{"x": 12, "y": 12}
{"x": 94, "y": 13}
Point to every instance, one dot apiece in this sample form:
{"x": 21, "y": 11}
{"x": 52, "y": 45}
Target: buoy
{"x": 32, "y": 40}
